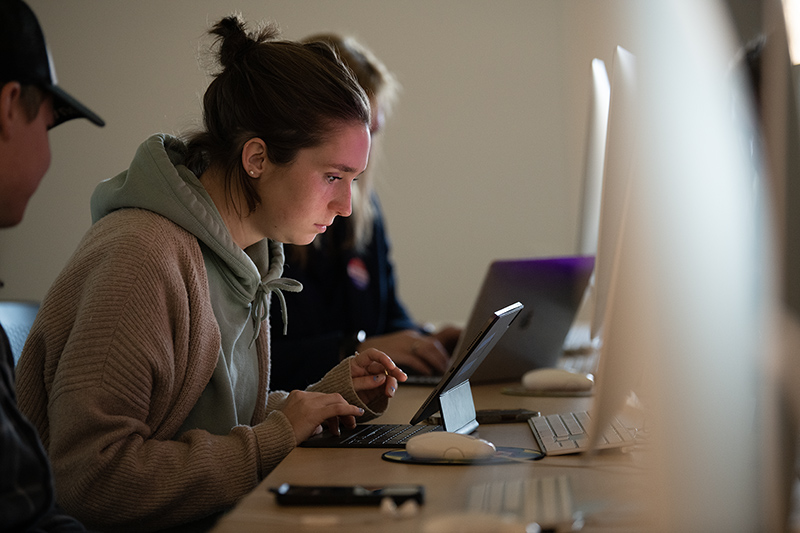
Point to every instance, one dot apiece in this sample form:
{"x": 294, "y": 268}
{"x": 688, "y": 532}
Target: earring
{"x": 252, "y": 172}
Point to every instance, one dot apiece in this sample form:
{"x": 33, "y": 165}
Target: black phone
{"x": 288, "y": 494}
{"x": 495, "y": 416}
{"x": 504, "y": 416}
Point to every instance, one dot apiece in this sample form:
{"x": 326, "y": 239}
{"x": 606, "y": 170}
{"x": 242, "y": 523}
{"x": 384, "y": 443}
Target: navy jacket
{"x": 343, "y": 293}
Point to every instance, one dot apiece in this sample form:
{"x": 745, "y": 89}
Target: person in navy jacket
{"x": 349, "y": 300}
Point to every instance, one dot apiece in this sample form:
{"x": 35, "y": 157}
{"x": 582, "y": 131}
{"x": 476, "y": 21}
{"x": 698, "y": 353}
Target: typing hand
{"x": 410, "y": 349}
{"x": 448, "y": 337}
{"x": 374, "y": 374}
{"x": 307, "y": 411}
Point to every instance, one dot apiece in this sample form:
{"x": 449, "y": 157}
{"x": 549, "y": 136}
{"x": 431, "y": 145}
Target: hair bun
{"x": 234, "y": 40}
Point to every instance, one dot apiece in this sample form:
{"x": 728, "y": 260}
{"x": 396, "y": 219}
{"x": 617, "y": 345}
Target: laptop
{"x": 551, "y": 290}
{"x": 451, "y": 397}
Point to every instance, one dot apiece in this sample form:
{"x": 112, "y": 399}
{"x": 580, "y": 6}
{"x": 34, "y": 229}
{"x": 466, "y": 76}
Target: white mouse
{"x": 556, "y": 379}
{"x": 447, "y": 445}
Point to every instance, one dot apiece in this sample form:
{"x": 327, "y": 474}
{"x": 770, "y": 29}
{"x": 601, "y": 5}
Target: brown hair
{"x": 32, "y": 97}
{"x": 290, "y": 95}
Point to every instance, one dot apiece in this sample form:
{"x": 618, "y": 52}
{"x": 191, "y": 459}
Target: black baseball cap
{"x": 25, "y": 58}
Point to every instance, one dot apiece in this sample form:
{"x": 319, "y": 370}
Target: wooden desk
{"x": 602, "y": 484}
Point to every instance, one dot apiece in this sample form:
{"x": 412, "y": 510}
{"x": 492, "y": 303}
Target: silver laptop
{"x": 452, "y": 397}
{"x": 550, "y": 290}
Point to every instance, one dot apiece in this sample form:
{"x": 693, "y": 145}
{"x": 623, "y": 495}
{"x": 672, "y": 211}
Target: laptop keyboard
{"x": 567, "y": 433}
{"x": 371, "y": 436}
{"x": 545, "y": 500}
{"x": 389, "y": 434}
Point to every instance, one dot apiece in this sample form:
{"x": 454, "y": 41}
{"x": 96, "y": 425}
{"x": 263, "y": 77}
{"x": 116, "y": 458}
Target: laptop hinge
{"x": 458, "y": 409}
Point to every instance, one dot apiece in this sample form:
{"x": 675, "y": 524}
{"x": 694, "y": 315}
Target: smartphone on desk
{"x": 494, "y": 416}
{"x": 288, "y": 494}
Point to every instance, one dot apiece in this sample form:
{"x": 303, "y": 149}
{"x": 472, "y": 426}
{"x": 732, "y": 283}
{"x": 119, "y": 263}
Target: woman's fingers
{"x": 306, "y": 411}
{"x": 375, "y": 362}
{"x": 375, "y": 381}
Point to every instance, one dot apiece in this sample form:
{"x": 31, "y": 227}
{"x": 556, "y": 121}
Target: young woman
{"x": 147, "y": 370}
{"x": 349, "y": 299}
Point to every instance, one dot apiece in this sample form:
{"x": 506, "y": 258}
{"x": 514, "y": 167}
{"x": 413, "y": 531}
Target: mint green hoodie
{"x": 240, "y": 281}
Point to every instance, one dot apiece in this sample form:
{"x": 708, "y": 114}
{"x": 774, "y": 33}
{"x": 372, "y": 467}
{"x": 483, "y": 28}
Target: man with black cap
{"x": 31, "y": 102}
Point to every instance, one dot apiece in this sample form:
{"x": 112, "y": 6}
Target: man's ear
{"x": 254, "y": 157}
{"x": 9, "y": 107}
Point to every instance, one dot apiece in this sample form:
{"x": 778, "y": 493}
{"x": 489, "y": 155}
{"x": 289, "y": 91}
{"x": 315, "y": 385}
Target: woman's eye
{"x": 332, "y": 179}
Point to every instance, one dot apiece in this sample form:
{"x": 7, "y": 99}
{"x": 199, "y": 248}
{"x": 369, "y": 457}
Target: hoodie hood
{"x": 158, "y": 180}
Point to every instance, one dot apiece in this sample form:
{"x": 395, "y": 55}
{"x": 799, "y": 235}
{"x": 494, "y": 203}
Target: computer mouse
{"x": 556, "y": 380}
{"x": 447, "y": 445}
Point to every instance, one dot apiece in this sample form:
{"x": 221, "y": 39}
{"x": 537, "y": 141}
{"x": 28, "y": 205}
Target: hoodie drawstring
{"x": 259, "y": 304}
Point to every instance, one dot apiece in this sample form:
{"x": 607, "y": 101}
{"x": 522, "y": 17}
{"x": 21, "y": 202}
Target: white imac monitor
{"x": 616, "y": 374}
{"x": 689, "y": 296}
{"x": 595, "y": 156}
{"x": 579, "y": 338}
{"x": 619, "y": 149}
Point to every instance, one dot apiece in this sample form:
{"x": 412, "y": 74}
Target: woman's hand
{"x": 374, "y": 374}
{"x": 307, "y": 411}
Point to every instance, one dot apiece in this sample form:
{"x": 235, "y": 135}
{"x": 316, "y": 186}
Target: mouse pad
{"x": 504, "y": 455}
{"x": 521, "y": 391}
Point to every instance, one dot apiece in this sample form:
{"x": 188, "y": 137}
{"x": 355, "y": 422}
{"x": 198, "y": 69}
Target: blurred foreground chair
{"x": 16, "y": 317}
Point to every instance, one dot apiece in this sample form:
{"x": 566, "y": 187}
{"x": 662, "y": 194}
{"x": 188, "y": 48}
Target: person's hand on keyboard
{"x": 307, "y": 411}
{"x": 418, "y": 353}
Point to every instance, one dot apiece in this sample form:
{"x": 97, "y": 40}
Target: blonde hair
{"x": 381, "y": 88}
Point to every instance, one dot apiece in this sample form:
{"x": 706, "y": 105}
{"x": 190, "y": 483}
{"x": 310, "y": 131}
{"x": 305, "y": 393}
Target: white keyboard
{"x": 567, "y": 433}
{"x": 579, "y": 339}
{"x": 544, "y": 500}
{"x": 581, "y": 364}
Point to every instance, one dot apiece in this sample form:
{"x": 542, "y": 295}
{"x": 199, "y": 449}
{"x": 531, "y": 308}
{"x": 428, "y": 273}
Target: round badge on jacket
{"x": 358, "y": 273}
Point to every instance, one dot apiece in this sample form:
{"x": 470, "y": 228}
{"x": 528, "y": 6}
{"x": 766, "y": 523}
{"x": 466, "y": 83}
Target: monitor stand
{"x": 458, "y": 409}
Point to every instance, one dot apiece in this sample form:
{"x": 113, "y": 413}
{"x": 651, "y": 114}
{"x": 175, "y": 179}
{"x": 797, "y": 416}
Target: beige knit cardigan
{"x": 123, "y": 346}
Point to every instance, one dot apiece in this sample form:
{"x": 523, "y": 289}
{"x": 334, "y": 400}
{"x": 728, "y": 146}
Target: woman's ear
{"x": 254, "y": 157}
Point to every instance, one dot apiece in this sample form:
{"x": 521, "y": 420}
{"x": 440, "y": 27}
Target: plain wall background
{"x": 482, "y": 159}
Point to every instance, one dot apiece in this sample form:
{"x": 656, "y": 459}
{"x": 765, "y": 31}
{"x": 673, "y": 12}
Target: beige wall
{"x": 482, "y": 159}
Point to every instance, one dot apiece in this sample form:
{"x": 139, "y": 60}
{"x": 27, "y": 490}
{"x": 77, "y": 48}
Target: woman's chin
{"x": 303, "y": 242}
